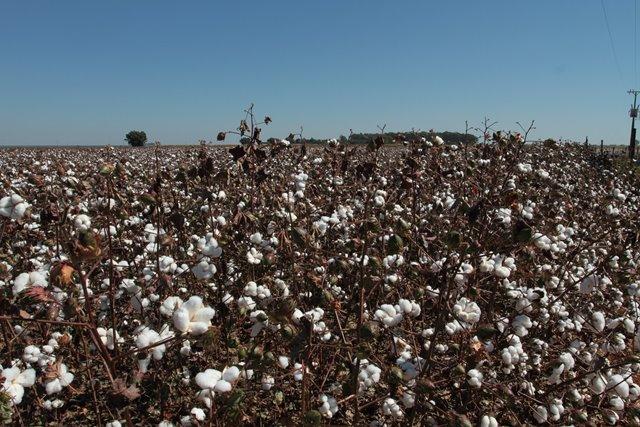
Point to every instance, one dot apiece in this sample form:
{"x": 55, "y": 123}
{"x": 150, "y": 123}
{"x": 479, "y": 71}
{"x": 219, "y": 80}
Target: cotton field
{"x": 276, "y": 284}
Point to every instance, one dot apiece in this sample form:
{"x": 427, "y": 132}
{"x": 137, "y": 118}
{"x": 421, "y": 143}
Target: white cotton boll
{"x": 298, "y": 372}
{"x": 231, "y": 374}
{"x": 524, "y": 167}
{"x": 488, "y": 421}
{"x": 616, "y": 403}
{"x": 520, "y": 325}
{"x": 193, "y": 317}
{"x": 391, "y": 408}
{"x": 388, "y": 315}
{"x": 208, "y": 246}
{"x": 598, "y": 320}
{"x": 13, "y": 206}
{"x": 542, "y": 173}
{"x": 27, "y": 280}
{"x": 82, "y": 222}
{"x": 283, "y": 362}
{"x": 204, "y": 270}
{"x": 198, "y": 414}
{"x": 328, "y": 407}
{"x": 556, "y": 409}
{"x": 617, "y": 384}
{"x": 62, "y": 379}
{"x": 503, "y": 215}
{"x": 256, "y": 238}
{"x": 31, "y": 354}
{"x": 107, "y": 337}
{"x": 254, "y": 256}
{"x": 55, "y": 404}
{"x": 15, "y": 381}
{"x": 541, "y": 241}
{"x": 466, "y": 310}
{"x": 540, "y": 414}
{"x": 409, "y": 308}
{"x": 502, "y": 272}
{"x": 267, "y": 382}
{"x": 598, "y": 385}
{"x": 246, "y": 303}
{"x": 475, "y": 378}
{"x": 169, "y": 305}
{"x": 567, "y": 360}
{"x": 208, "y": 378}
{"x": 408, "y": 399}
{"x": 114, "y": 423}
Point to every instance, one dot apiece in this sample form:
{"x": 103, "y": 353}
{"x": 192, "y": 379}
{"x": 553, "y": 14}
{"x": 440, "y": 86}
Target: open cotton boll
{"x": 540, "y": 414}
{"x": 388, "y": 315}
{"x": 466, "y": 310}
{"x": 26, "y": 280}
{"x": 475, "y": 378}
{"x": 193, "y": 317}
{"x": 107, "y": 337}
{"x": 267, "y": 382}
{"x": 15, "y": 380}
{"x": 59, "y": 377}
{"x": 283, "y": 362}
{"x": 82, "y": 222}
{"x": 208, "y": 246}
{"x": 204, "y": 270}
{"x": 169, "y": 305}
{"x": 254, "y": 256}
{"x": 391, "y": 408}
{"x": 13, "y": 206}
{"x": 329, "y": 406}
{"x": 488, "y": 421}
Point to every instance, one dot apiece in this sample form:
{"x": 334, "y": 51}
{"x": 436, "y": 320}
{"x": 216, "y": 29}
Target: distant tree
{"x": 136, "y": 138}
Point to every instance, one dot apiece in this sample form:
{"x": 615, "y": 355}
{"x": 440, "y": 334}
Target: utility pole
{"x": 633, "y": 113}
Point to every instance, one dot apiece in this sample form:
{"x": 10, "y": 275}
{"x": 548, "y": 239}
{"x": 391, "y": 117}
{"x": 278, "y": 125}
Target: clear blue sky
{"x": 85, "y": 72}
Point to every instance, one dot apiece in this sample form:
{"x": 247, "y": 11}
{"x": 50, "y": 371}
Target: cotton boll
{"x": 82, "y": 222}
{"x": 267, "y": 382}
{"x": 475, "y": 378}
{"x": 598, "y": 320}
{"x": 391, "y": 408}
{"x": 540, "y": 414}
{"x": 59, "y": 377}
{"x": 283, "y": 362}
{"x": 329, "y": 406}
{"x": 388, "y": 315}
{"x": 193, "y": 316}
{"x": 488, "y": 421}
{"x": 13, "y": 206}
{"x": 617, "y": 384}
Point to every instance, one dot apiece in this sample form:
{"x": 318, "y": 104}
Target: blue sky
{"x": 86, "y": 72}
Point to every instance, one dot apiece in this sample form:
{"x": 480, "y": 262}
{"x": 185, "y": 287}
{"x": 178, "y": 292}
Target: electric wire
{"x": 613, "y": 47}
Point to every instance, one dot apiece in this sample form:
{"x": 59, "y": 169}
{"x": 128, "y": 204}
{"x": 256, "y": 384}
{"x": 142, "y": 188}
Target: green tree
{"x": 136, "y": 138}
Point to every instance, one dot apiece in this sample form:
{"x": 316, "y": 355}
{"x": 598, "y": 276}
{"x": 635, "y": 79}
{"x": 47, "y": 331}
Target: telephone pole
{"x": 633, "y": 113}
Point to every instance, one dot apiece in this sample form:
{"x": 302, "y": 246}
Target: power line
{"x": 613, "y": 47}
